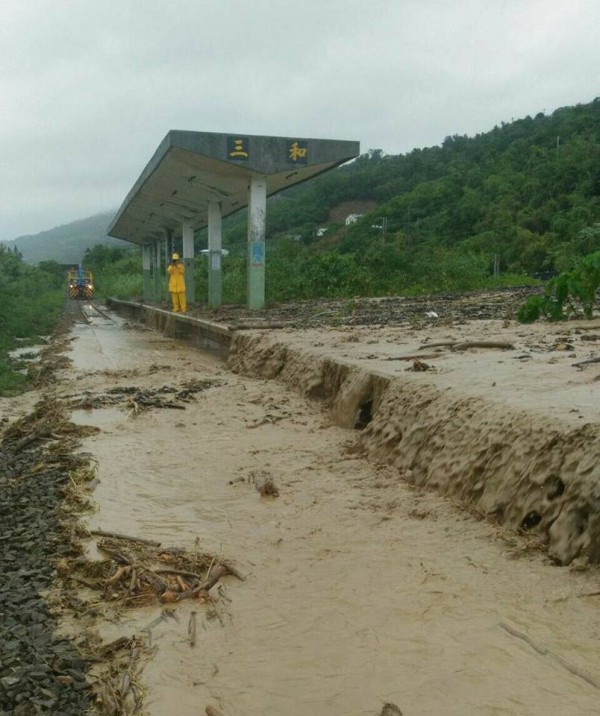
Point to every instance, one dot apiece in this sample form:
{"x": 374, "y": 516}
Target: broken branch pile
{"x": 136, "y": 399}
{"x": 136, "y": 572}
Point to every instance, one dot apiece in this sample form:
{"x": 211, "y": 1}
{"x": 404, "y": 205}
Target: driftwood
{"x": 233, "y": 570}
{"x": 463, "y": 345}
{"x": 261, "y": 327}
{"x": 482, "y": 344}
{"x": 179, "y": 573}
{"x": 544, "y": 651}
{"x": 120, "y": 557}
{"x": 390, "y": 709}
{"x": 218, "y": 571}
{"x": 43, "y": 432}
{"x": 117, "y": 535}
{"x": 192, "y": 629}
{"x": 212, "y": 711}
{"x": 412, "y": 356}
{"x": 589, "y": 361}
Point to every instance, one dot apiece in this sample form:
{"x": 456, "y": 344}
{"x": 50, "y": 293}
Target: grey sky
{"x": 88, "y": 88}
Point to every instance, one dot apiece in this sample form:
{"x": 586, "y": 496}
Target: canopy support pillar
{"x": 215, "y": 253}
{"x": 257, "y": 222}
{"x": 157, "y": 275}
{"x": 147, "y": 272}
{"x": 188, "y": 261}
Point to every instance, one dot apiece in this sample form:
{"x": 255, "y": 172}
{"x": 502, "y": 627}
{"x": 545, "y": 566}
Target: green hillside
{"x": 524, "y": 196}
{"x": 66, "y": 244}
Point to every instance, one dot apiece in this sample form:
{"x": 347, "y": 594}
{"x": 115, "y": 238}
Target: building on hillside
{"x": 352, "y": 218}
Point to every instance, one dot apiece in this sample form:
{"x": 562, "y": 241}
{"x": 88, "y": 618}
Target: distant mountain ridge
{"x": 66, "y": 244}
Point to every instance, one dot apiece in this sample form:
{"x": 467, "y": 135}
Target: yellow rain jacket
{"x": 176, "y": 277}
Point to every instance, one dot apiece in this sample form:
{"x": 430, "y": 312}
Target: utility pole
{"x": 382, "y": 227}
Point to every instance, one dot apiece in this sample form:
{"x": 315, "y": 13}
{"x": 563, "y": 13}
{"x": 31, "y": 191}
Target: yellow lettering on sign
{"x": 238, "y": 149}
{"x": 297, "y": 152}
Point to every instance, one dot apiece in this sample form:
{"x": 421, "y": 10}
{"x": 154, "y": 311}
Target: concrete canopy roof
{"x": 189, "y": 169}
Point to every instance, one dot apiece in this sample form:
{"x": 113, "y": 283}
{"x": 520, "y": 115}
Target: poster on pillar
{"x": 257, "y": 253}
{"x": 215, "y": 261}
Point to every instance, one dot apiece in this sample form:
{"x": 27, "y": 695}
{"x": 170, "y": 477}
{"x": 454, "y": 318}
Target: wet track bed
{"x": 361, "y": 586}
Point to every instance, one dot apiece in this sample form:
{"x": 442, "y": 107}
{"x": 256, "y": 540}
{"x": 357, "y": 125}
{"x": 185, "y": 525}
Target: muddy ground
{"x": 364, "y": 585}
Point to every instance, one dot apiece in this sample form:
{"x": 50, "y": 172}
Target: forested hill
{"x": 66, "y": 244}
{"x": 527, "y": 191}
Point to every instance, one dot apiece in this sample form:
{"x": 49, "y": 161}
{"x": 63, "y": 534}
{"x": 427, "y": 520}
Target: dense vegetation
{"x": 31, "y": 301}
{"x": 571, "y": 292}
{"x": 117, "y": 270}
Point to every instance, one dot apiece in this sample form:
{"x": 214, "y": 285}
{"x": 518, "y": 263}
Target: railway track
{"x": 86, "y": 311}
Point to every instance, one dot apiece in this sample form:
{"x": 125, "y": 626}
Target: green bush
{"x": 567, "y": 294}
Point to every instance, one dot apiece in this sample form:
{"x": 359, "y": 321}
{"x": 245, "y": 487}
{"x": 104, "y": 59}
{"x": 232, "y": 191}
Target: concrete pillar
{"x": 188, "y": 261}
{"x": 168, "y": 246}
{"x": 157, "y": 274}
{"x": 147, "y": 272}
{"x": 257, "y": 222}
{"x": 215, "y": 254}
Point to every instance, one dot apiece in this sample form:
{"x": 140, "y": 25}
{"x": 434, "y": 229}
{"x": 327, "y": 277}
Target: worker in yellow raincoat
{"x": 176, "y": 271}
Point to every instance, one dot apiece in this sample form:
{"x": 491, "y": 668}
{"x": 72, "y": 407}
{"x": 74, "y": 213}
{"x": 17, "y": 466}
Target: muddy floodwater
{"x": 360, "y": 588}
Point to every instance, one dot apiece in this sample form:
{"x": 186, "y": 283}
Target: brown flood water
{"x": 360, "y": 589}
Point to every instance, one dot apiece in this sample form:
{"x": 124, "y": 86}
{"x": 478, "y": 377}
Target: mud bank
{"x": 535, "y": 475}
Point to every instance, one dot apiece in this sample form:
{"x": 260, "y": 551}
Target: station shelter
{"x": 195, "y": 179}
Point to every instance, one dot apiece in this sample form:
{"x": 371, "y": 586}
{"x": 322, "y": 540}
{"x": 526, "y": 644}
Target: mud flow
{"x": 393, "y": 562}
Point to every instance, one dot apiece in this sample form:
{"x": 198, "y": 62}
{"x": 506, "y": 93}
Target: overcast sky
{"x": 88, "y": 88}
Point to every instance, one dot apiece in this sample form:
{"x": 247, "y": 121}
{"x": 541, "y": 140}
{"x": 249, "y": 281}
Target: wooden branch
{"x": 231, "y": 569}
{"x": 115, "y": 554}
{"x": 586, "y": 362}
{"x": 261, "y": 327}
{"x": 428, "y": 356}
{"x": 179, "y": 573}
{"x": 541, "y": 649}
{"x": 117, "y": 535}
{"x": 216, "y": 574}
{"x": 192, "y": 629}
{"x": 440, "y": 344}
{"x": 212, "y": 711}
{"x": 482, "y": 344}
{"x": 119, "y": 574}
{"x": 463, "y": 345}
{"x": 42, "y": 432}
